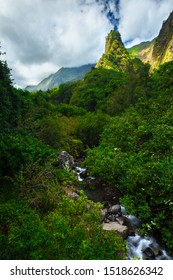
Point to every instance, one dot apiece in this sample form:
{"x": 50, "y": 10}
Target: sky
{"x": 41, "y": 36}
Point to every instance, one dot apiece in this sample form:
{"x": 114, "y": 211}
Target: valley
{"x": 115, "y": 120}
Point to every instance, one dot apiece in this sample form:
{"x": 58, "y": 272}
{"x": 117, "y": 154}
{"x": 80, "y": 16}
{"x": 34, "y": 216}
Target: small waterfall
{"x": 79, "y": 172}
{"x": 144, "y": 248}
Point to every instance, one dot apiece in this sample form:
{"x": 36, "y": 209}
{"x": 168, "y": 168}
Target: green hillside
{"x": 160, "y": 49}
{"x": 117, "y": 121}
{"x": 63, "y": 75}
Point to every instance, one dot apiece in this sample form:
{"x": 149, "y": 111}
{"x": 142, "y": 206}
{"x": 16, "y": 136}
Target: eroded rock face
{"x": 65, "y": 161}
{"x": 122, "y": 230}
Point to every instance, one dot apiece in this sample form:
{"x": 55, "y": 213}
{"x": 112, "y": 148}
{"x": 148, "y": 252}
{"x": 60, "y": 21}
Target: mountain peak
{"x": 115, "y": 56}
{"x": 160, "y": 49}
{"x": 63, "y": 75}
{"x": 113, "y": 36}
{"x": 164, "y": 41}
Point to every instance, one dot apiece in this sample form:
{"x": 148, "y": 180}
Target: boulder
{"x": 65, "y": 161}
{"x": 122, "y": 230}
{"x": 148, "y": 254}
{"x": 156, "y": 249}
{"x": 111, "y": 217}
{"x": 115, "y": 209}
{"x": 83, "y": 174}
{"x": 134, "y": 221}
{"x": 71, "y": 194}
{"x": 121, "y": 220}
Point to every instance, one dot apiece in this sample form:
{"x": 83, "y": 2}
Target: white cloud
{"x": 141, "y": 20}
{"x": 47, "y": 35}
{"x": 40, "y": 36}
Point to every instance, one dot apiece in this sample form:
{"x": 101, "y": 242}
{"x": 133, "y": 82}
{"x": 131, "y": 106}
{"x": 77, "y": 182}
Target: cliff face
{"x": 163, "y": 47}
{"x": 158, "y": 51}
{"x": 115, "y": 56}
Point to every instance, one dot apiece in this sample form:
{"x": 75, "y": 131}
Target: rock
{"x": 103, "y": 212}
{"x": 65, "y": 161}
{"x": 134, "y": 221}
{"x": 115, "y": 209}
{"x": 74, "y": 195}
{"x": 83, "y": 174}
{"x": 121, "y": 220}
{"x": 106, "y": 220}
{"x": 77, "y": 169}
{"x": 106, "y": 204}
{"x": 71, "y": 194}
{"x": 122, "y": 230}
{"x": 156, "y": 249}
{"x": 149, "y": 254}
{"x": 111, "y": 217}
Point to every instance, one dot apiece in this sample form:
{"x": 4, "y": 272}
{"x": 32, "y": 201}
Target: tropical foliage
{"x": 122, "y": 123}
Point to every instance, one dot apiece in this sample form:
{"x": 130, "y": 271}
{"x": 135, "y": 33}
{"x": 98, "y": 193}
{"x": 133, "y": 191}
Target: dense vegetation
{"x": 122, "y": 123}
{"x": 38, "y": 219}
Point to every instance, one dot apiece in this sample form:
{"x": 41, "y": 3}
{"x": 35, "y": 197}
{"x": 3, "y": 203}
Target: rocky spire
{"x": 115, "y": 56}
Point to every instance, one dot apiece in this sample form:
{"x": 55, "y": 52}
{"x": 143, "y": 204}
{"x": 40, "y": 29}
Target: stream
{"x": 140, "y": 247}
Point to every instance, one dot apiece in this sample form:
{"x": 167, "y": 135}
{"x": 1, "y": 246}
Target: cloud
{"x": 40, "y": 36}
{"x": 46, "y": 35}
{"x": 142, "y": 20}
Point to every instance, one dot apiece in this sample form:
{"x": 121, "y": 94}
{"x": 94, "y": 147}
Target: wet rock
{"x": 65, "y": 161}
{"x": 125, "y": 221}
{"x": 122, "y": 230}
{"x": 77, "y": 170}
{"x": 134, "y": 221}
{"x": 115, "y": 209}
{"x": 121, "y": 220}
{"x": 83, "y": 174}
{"x": 149, "y": 254}
{"x": 111, "y": 217}
{"x": 156, "y": 249}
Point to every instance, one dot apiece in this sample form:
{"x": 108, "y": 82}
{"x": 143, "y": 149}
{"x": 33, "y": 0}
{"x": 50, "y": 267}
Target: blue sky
{"x": 41, "y": 36}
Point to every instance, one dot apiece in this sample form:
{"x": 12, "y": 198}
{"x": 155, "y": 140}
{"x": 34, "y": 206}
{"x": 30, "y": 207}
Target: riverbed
{"x": 139, "y": 247}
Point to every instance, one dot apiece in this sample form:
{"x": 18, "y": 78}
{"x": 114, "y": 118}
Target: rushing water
{"x": 144, "y": 248}
{"x": 79, "y": 171}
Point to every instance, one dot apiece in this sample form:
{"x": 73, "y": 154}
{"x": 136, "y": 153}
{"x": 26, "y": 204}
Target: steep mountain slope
{"x": 143, "y": 51}
{"x": 160, "y": 49}
{"x": 63, "y": 75}
{"x": 115, "y": 56}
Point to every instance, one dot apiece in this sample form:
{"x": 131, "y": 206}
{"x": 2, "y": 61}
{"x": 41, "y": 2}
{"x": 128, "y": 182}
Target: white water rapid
{"x": 144, "y": 248}
{"x": 139, "y": 247}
